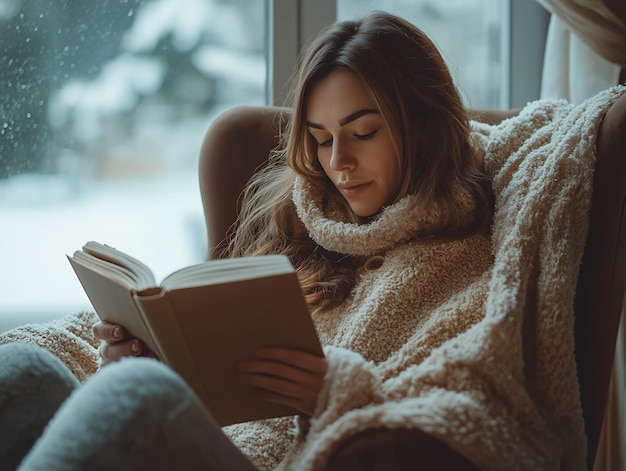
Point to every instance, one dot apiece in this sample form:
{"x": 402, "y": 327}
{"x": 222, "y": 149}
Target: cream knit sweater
{"x": 469, "y": 340}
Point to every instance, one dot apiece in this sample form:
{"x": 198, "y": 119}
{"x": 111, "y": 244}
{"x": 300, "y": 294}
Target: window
{"x": 104, "y": 107}
{"x": 467, "y": 32}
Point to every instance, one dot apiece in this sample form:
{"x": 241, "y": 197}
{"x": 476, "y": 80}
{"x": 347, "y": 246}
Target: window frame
{"x": 293, "y": 22}
{"x": 523, "y": 52}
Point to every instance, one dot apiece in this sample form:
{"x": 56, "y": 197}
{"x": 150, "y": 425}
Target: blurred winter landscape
{"x": 100, "y": 132}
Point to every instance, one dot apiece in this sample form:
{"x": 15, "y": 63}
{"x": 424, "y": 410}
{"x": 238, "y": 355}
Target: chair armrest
{"x": 492, "y": 115}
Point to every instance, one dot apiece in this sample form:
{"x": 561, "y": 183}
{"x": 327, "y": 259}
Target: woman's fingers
{"x": 275, "y": 369}
{"x": 116, "y": 351}
{"x": 111, "y": 352}
{"x": 290, "y": 377}
{"x": 117, "y": 343}
{"x": 282, "y": 391}
{"x": 109, "y": 332}
{"x": 298, "y": 358}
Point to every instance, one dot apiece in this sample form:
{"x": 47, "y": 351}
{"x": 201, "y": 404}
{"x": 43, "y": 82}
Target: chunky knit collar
{"x": 399, "y": 222}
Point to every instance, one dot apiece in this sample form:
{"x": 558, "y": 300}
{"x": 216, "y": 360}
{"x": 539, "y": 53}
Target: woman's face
{"x": 354, "y": 145}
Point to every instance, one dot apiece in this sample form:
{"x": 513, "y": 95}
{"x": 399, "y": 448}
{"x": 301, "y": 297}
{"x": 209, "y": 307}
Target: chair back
{"x": 602, "y": 279}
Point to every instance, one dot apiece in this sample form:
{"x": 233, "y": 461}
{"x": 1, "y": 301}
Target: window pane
{"x": 467, "y": 33}
{"x": 103, "y": 111}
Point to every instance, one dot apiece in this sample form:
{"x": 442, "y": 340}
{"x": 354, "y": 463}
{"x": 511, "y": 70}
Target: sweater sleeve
{"x": 351, "y": 382}
{"x": 69, "y": 338}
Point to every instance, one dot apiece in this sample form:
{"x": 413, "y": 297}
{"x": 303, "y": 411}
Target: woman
{"x": 379, "y": 199}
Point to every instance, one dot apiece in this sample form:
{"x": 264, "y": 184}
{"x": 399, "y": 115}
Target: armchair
{"x": 240, "y": 141}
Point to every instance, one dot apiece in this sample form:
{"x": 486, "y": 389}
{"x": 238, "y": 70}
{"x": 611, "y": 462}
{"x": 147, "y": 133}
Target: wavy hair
{"x": 412, "y": 86}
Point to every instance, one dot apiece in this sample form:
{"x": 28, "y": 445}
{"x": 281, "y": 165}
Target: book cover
{"x": 203, "y": 326}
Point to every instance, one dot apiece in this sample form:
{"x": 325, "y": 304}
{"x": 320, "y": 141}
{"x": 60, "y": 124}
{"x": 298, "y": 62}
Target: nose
{"x": 342, "y": 157}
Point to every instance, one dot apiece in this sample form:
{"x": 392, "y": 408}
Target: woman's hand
{"x": 286, "y": 376}
{"x": 117, "y": 343}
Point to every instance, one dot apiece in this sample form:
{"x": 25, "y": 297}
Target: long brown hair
{"x": 413, "y": 89}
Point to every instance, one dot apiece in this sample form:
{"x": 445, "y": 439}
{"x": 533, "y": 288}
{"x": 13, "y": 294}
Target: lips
{"x": 350, "y": 188}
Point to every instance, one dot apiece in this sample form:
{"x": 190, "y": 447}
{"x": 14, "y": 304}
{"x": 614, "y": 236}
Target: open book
{"x": 201, "y": 320}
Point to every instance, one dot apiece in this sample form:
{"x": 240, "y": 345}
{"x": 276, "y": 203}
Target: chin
{"x": 365, "y": 214}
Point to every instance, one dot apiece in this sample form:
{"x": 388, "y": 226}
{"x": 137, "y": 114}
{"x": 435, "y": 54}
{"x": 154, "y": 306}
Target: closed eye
{"x": 365, "y": 137}
{"x": 326, "y": 143}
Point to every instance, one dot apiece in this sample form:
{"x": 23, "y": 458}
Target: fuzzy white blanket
{"x": 541, "y": 164}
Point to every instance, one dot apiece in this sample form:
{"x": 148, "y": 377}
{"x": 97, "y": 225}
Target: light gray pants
{"x": 132, "y": 415}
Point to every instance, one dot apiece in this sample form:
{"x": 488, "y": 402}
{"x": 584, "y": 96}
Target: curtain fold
{"x": 600, "y": 23}
{"x": 571, "y": 69}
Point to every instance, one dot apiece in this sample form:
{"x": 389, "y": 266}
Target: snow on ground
{"x": 159, "y": 221}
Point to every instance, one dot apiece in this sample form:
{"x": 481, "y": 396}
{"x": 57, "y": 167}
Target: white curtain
{"x": 585, "y": 48}
{"x": 571, "y": 69}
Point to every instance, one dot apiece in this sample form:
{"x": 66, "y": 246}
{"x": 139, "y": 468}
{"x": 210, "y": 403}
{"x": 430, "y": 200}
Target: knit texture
{"x": 468, "y": 340}
{"x": 69, "y": 338}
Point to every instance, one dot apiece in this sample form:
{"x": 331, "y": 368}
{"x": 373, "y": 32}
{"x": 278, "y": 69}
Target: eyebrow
{"x": 348, "y": 119}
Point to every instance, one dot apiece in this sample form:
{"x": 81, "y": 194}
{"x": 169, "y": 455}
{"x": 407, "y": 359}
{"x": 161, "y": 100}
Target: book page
{"x": 141, "y": 273}
{"x": 115, "y": 272}
{"x": 228, "y": 270}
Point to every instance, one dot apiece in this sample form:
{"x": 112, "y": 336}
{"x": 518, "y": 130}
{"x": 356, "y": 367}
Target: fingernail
{"x": 117, "y": 333}
{"x": 134, "y": 347}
